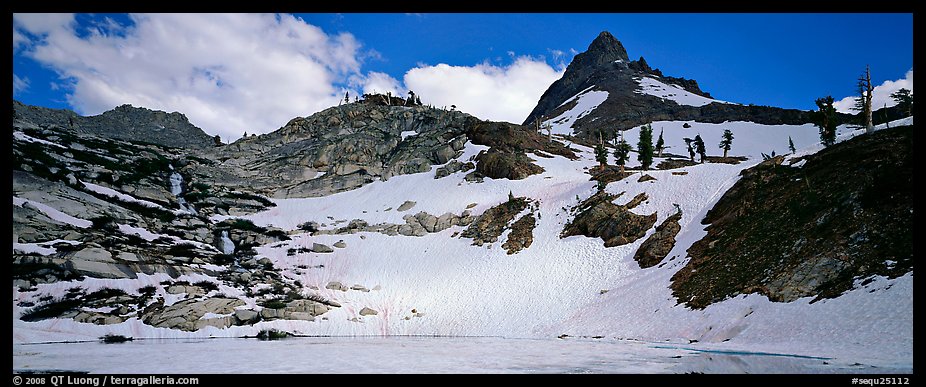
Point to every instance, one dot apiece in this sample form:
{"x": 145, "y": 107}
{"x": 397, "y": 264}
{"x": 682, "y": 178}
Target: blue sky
{"x": 238, "y": 73}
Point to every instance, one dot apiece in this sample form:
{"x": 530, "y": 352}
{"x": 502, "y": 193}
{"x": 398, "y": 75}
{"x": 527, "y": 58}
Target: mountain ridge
{"x": 637, "y": 94}
{"x": 124, "y": 122}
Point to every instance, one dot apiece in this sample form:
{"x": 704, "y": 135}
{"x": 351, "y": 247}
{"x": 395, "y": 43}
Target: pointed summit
{"x": 604, "y": 49}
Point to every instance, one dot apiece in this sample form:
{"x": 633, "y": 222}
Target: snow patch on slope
{"x": 675, "y": 93}
{"x": 587, "y": 101}
{"x": 52, "y": 212}
{"x": 119, "y": 195}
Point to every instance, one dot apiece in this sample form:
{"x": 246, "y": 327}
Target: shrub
{"x": 273, "y": 303}
{"x": 273, "y": 334}
{"x": 149, "y": 290}
{"x": 103, "y": 294}
{"x": 244, "y": 225}
{"x": 182, "y": 250}
{"x": 51, "y": 309}
{"x": 112, "y": 339}
{"x": 104, "y": 222}
{"x": 207, "y": 285}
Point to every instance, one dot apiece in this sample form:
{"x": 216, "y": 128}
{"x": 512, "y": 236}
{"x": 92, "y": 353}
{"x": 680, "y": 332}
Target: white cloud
{"x": 499, "y": 93}
{"x": 252, "y": 73}
{"x": 228, "y": 73}
{"x": 377, "y": 82}
{"x": 20, "y": 84}
{"x": 42, "y": 23}
{"x": 881, "y": 94}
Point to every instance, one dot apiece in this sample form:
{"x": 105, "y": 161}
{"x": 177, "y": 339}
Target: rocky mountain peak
{"x": 604, "y": 49}
{"x": 633, "y": 93}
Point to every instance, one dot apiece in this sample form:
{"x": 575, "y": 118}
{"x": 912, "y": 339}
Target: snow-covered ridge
{"x": 675, "y": 93}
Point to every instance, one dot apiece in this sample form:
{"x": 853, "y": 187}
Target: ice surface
{"x": 416, "y": 355}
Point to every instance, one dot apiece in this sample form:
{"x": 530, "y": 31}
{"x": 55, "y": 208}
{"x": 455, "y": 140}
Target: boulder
{"x": 406, "y": 206}
{"x": 247, "y": 316}
{"x": 368, "y": 312}
{"x": 186, "y": 315}
{"x": 334, "y": 285}
{"x": 320, "y": 248}
{"x": 360, "y": 288}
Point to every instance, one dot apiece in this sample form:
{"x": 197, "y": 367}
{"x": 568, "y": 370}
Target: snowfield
{"x": 672, "y": 92}
{"x": 553, "y": 287}
{"x": 587, "y": 102}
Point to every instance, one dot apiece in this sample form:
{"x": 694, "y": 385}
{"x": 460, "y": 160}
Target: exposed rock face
{"x": 339, "y": 149}
{"x": 509, "y": 143}
{"x": 505, "y": 165}
{"x": 655, "y": 248}
{"x": 605, "y": 66}
{"x": 125, "y": 123}
{"x": 599, "y": 217}
{"x": 486, "y": 228}
{"x": 810, "y": 230}
{"x": 522, "y": 234}
{"x": 419, "y": 224}
{"x": 452, "y": 167}
{"x": 187, "y": 315}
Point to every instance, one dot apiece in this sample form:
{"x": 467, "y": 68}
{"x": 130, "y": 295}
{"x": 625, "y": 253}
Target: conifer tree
{"x": 904, "y": 99}
{"x": 660, "y": 145}
{"x": 601, "y": 154}
{"x": 791, "y": 145}
{"x": 726, "y": 141}
{"x": 622, "y": 153}
{"x": 825, "y": 119}
{"x": 699, "y": 147}
{"x": 691, "y": 151}
{"x": 645, "y": 146}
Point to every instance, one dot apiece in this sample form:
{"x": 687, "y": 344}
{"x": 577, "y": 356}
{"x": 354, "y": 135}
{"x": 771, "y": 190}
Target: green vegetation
{"x": 182, "y": 250}
{"x": 273, "y": 334}
{"x": 104, "y": 222}
{"x": 699, "y": 147}
{"x": 51, "y": 309}
{"x": 727, "y": 141}
{"x": 114, "y": 339}
{"x": 645, "y": 146}
{"x": 825, "y": 119}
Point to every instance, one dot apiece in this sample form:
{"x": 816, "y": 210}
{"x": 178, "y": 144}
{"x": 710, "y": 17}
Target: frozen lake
{"x": 416, "y": 355}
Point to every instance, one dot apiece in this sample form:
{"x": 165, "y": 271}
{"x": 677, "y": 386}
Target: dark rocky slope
{"x": 125, "y": 122}
{"x": 789, "y": 232}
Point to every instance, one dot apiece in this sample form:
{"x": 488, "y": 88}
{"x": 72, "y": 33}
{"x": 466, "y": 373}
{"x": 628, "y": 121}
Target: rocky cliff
{"x": 124, "y": 123}
{"x": 811, "y": 228}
